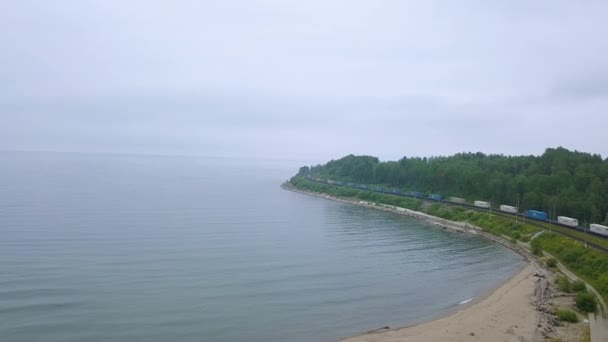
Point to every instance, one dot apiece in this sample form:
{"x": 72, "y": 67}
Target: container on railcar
{"x": 538, "y": 215}
{"x": 568, "y": 221}
{"x": 598, "y": 229}
{"x": 458, "y": 200}
{"x": 508, "y": 209}
{"x": 436, "y": 197}
{"x": 482, "y": 204}
{"x": 415, "y": 194}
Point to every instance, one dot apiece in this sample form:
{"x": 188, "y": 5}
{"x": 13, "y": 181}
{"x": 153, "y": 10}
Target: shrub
{"x": 586, "y": 302}
{"x": 567, "y": 316}
{"x": 563, "y": 284}
{"x": 551, "y": 263}
{"x": 535, "y": 246}
{"x": 579, "y": 286}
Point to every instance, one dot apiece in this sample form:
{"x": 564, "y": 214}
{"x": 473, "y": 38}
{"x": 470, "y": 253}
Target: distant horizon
{"x": 280, "y": 159}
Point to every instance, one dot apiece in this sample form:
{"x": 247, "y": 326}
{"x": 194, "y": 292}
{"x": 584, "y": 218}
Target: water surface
{"x": 141, "y": 248}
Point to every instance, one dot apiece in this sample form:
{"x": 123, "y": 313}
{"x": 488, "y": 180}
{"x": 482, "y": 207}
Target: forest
{"x": 559, "y": 182}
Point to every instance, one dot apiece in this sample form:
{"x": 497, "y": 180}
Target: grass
{"x": 563, "y": 284}
{"x": 567, "y": 316}
{"x": 585, "y": 236}
{"x": 589, "y": 264}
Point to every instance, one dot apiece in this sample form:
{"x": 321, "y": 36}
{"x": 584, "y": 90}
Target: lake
{"x": 153, "y": 248}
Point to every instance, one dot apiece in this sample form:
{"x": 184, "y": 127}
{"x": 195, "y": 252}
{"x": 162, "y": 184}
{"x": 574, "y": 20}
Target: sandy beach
{"x": 507, "y": 314}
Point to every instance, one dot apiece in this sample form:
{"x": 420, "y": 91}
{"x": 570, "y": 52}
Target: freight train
{"x": 564, "y": 221}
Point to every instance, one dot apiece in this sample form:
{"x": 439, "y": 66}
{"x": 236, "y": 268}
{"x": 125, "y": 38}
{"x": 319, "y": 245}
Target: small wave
{"x": 465, "y": 301}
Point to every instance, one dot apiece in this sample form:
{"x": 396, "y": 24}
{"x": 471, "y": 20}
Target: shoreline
{"x": 487, "y": 318}
{"x": 459, "y": 227}
{"x": 520, "y": 287}
{"x": 459, "y": 307}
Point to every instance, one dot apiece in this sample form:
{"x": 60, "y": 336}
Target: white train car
{"x": 482, "y": 204}
{"x": 331, "y": 181}
{"x": 457, "y": 200}
{"x": 568, "y": 221}
{"x": 508, "y": 209}
{"x": 599, "y": 229}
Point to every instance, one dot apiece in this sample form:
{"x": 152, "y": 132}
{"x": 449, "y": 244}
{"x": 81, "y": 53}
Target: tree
{"x": 575, "y": 182}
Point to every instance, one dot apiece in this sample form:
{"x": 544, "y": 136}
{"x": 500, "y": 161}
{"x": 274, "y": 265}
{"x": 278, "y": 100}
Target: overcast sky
{"x": 304, "y": 80}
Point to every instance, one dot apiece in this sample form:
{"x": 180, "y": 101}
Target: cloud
{"x": 313, "y": 78}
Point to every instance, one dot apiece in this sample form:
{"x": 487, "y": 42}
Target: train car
{"x": 599, "y": 229}
{"x": 415, "y": 194}
{"x": 379, "y": 189}
{"x": 362, "y": 187}
{"x": 481, "y": 204}
{"x": 331, "y": 181}
{"x": 352, "y": 185}
{"x": 457, "y": 200}
{"x": 538, "y": 215}
{"x": 508, "y": 209}
{"x": 340, "y": 183}
{"x": 397, "y": 191}
{"x": 568, "y": 221}
{"x": 436, "y": 197}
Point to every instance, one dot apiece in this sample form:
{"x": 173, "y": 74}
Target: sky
{"x": 303, "y": 80}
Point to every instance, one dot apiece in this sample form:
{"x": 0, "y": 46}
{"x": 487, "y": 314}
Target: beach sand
{"x": 507, "y": 314}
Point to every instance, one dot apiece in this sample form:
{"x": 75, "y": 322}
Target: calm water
{"x": 133, "y": 248}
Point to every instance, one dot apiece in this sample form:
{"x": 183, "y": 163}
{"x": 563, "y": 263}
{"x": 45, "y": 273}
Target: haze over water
{"x": 143, "y": 248}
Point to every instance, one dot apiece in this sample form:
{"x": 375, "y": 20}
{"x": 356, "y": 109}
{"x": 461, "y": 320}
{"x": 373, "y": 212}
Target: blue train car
{"x": 379, "y": 189}
{"x": 436, "y": 197}
{"x": 362, "y": 187}
{"x": 538, "y": 215}
{"x": 415, "y": 194}
{"x": 397, "y": 191}
{"x": 352, "y": 185}
{"x": 340, "y": 183}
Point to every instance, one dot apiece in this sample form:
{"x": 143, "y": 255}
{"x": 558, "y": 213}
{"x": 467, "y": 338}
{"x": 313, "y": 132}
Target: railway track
{"x": 552, "y": 229}
{"x": 542, "y": 225}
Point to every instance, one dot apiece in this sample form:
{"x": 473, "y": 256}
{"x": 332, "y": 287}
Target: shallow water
{"x": 142, "y": 248}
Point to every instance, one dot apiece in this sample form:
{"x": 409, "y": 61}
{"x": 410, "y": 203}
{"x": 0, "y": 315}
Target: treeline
{"x": 572, "y": 182}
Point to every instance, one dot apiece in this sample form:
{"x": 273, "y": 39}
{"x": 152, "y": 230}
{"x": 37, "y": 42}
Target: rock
{"x": 472, "y": 333}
